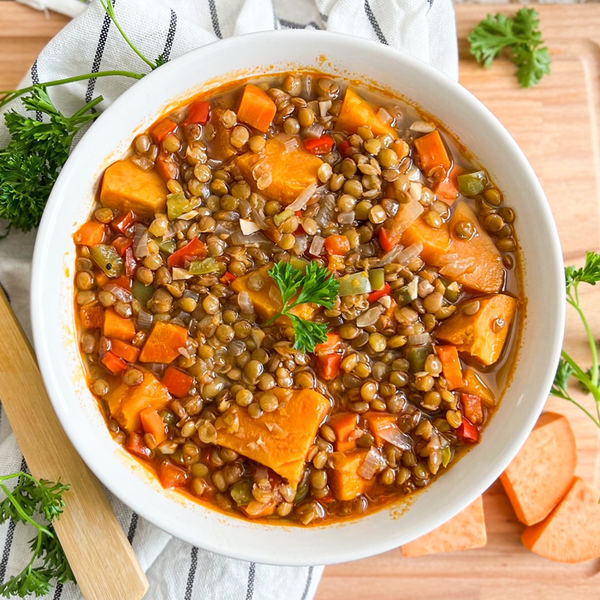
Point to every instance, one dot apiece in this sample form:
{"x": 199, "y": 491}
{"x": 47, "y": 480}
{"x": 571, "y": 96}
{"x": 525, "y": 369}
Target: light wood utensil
{"x": 102, "y": 559}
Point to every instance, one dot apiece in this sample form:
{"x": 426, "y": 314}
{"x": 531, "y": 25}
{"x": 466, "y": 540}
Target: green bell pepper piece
{"x": 471, "y": 184}
{"x": 417, "y": 355}
{"x": 108, "y": 259}
{"x": 357, "y": 283}
{"x": 241, "y": 492}
{"x": 142, "y": 292}
{"x": 202, "y": 267}
{"x": 177, "y": 205}
{"x": 168, "y": 246}
{"x": 377, "y": 278}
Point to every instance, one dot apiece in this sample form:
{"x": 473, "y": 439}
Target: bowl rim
{"x": 43, "y": 345}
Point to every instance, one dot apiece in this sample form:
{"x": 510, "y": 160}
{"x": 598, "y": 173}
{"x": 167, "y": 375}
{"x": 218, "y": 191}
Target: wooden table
{"x": 556, "y": 124}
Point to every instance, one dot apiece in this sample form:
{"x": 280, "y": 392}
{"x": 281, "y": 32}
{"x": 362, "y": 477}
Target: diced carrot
{"x": 118, "y": 327}
{"x": 115, "y": 364}
{"x": 541, "y": 473}
{"x": 357, "y": 112}
{"x": 124, "y": 222}
{"x": 124, "y": 281}
{"x": 451, "y": 368}
{"x": 192, "y": 250}
{"x": 467, "y": 431}
{"x": 378, "y": 422}
{"x": 101, "y": 279}
{"x": 378, "y": 294}
{"x": 171, "y": 476}
{"x": 337, "y": 244}
{"x": 345, "y": 426}
{"x": 257, "y": 510}
{"x": 472, "y": 384}
{"x": 256, "y": 108}
{"x": 90, "y": 234}
{"x": 135, "y": 444}
{"x": 571, "y": 532}
{"x": 163, "y": 343}
{"x": 346, "y": 483}
{"x": 178, "y": 383}
{"x": 166, "y": 167}
{"x": 121, "y": 243}
{"x": 335, "y": 263}
{"x": 126, "y": 351}
{"x": 162, "y": 129}
{"x": 447, "y": 190}
{"x": 329, "y": 366}
{"x": 227, "y": 278}
{"x": 432, "y": 153}
{"x": 199, "y": 113}
{"x": 463, "y": 532}
{"x": 333, "y": 344}
{"x": 321, "y": 145}
{"x": 472, "y": 408}
{"x": 153, "y": 423}
{"x": 91, "y": 317}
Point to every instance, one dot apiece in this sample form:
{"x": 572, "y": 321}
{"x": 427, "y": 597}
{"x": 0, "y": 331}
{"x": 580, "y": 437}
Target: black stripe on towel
{"x": 35, "y": 79}
{"x": 58, "y": 591}
{"x": 214, "y": 17}
{"x": 324, "y": 17}
{"x": 192, "y": 574}
{"x": 374, "y": 23}
{"x": 308, "y": 582}
{"x": 251, "y": 575}
{"x": 170, "y": 35}
{"x": 98, "y": 56}
{"x": 294, "y": 25}
{"x": 132, "y": 527}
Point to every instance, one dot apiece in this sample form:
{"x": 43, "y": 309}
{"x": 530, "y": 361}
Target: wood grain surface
{"x": 556, "y": 124}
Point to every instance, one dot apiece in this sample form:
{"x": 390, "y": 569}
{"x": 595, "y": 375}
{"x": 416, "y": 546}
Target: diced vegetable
{"x": 377, "y": 279}
{"x": 258, "y": 510}
{"x": 487, "y": 274}
{"x": 329, "y": 356}
{"x": 199, "y": 113}
{"x": 467, "y": 431}
{"x": 192, "y": 250}
{"x": 463, "y": 532}
{"x": 241, "y": 492}
{"x": 447, "y": 190}
{"x": 571, "y": 532}
{"x": 346, "y": 483}
{"x": 163, "y": 343}
{"x": 481, "y": 335}
{"x": 118, "y": 327}
{"x": 227, "y": 278}
{"x": 471, "y": 184}
{"x": 378, "y": 294}
{"x": 291, "y": 171}
{"x": 135, "y": 444}
{"x": 541, "y": 473}
{"x": 124, "y": 222}
{"x": 356, "y": 283}
{"x": 177, "y": 205}
{"x": 384, "y": 428}
{"x": 121, "y": 244}
{"x": 432, "y": 153}
{"x": 284, "y": 215}
{"x": 337, "y": 244}
{"x": 280, "y": 439}
{"x": 178, "y": 382}
{"x": 345, "y": 426}
{"x": 167, "y": 246}
{"x": 108, "y": 259}
{"x": 142, "y": 292}
{"x": 162, "y": 129}
{"x": 126, "y": 351}
{"x": 171, "y": 476}
{"x": 90, "y": 234}
{"x": 125, "y": 186}
{"x": 436, "y": 242}
{"x": 256, "y": 108}
{"x": 357, "y": 112}
{"x": 472, "y": 384}
{"x": 472, "y": 407}
{"x": 91, "y": 316}
{"x": 417, "y": 355}
{"x": 409, "y": 292}
{"x": 453, "y": 292}
{"x": 321, "y": 145}
{"x": 202, "y": 267}
{"x": 115, "y": 364}
{"x": 406, "y": 216}
{"x": 127, "y": 401}
{"x": 451, "y": 366}
{"x": 153, "y": 424}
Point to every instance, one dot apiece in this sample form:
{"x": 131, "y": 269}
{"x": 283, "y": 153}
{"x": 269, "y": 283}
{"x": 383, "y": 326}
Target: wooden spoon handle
{"x": 102, "y": 559}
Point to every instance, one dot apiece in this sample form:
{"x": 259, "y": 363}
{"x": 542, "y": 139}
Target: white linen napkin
{"x": 423, "y": 28}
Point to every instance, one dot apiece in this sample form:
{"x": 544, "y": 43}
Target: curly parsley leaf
{"x": 589, "y": 273}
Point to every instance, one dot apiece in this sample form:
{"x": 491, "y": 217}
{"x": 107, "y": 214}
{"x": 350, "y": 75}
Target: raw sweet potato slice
{"x": 480, "y": 335}
{"x": 280, "y": 439}
{"x": 571, "y": 532}
{"x": 464, "y": 532}
{"x": 346, "y": 483}
{"x": 543, "y": 470}
{"x": 357, "y": 112}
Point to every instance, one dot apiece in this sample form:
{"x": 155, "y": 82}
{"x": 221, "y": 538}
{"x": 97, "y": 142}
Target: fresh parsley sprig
{"x": 521, "y": 36}
{"x": 29, "y": 498}
{"x": 568, "y": 367}
{"x": 316, "y": 285}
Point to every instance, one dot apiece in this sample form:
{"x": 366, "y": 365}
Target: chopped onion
{"x": 188, "y": 216}
{"x": 415, "y": 190}
{"x": 184, "y": 352}
{"x": 369, "y": 317}
{"x": 190, "y": 294}
{"x": 169, "y": 233}
{"x": 326, "y": 207}
{"x": 422, "y": 127}
{"x": 418, "y": 339}
{"x": 394, "y": 436}
{"x": 445, "y": 259}
{"x": 157, "y": 368}
{"x": 384, "y": 116}
{"x": 118, "y": 292}
{"x": 386, "y": 301}
{"x": 458, "y": 268}
{"x": 248, "y": 227}
{"x": 346, "y": 218}
{"x": 303, "y": 197}
{"x": 290, "y": 142}
{"x": 409, "y": 253}
{"x": 301, "y": 245}
{"x": 413, "y": 174}
{"x": 391, "y": 256}
{"x": 180, "y": 274}
{"x": 239, "y": 239}
{"x": 140, "y": 242}
{"x": 307, "y": 86}
{"x": 314, "y": 131}
{"x": 406, "y": 216}
{"x": 222, "y": 228}
{"x": 258, "y": 216}
{"x": 372, "y": 463}
{"x": 316, "y": 246}
{"x": 143, "y": 162}
{"x": 144, "y": 320}
{"x": 245, "y": 303}
{"x": 324, "y": 107}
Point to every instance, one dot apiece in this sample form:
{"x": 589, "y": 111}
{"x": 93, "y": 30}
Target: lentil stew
{"x": 215, "y": 353}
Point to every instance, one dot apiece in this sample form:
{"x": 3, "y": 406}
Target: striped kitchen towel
{"x": 423, "y": 28}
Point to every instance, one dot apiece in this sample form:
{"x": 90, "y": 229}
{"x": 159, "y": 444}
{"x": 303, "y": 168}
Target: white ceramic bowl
{"x": 70, "y": 205}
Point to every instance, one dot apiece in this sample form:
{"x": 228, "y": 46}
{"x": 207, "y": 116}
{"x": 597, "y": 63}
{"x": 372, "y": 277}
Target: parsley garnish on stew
{"x": 523, "y": 39}
{"x": 316, "y": 285}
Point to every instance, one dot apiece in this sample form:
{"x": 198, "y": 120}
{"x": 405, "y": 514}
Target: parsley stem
{"x": 18, "y": 507}
{"x": 585, "y": 410}
{"x": 576, "y": 304}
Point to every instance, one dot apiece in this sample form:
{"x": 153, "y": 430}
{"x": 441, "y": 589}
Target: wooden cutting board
{"x": 557, "y": 125}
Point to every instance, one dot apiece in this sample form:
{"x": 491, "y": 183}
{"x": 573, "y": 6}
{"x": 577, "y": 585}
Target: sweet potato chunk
{"x": 357, "y": 112}
{"x": 127, "y": 401}
{"x": 542, "y": 472}
{"x": 464, "y": 532}
{"x": 435, "y": 241}
{"x": 346, "y": 483}
{"x": 163, "y": 343}
{"x": 486, "y": 273}
{"x": 482, "y": 335}
{"x": 291, "y": 171}
{"x": 267, "y": 301}
{"x": 118, "y": 327}
{"x": 474, "y": 385}
{"x": 571, "y": 532}
{"x": 280, "y": 439}
{"x": 125, "y": 186}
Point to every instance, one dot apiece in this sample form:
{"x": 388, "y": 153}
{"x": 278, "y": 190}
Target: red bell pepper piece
{"x": 345, "y": 148}
{"x": 374, "y": 296}
{"x": 177, "y": 382}
{"x": 171, "y": 475}
{"x": 321, "y": 145}
{"x": 130, "y": 263}
{"x": 472, "y": 406}
{"x": 227, "y": 278}
{"x": 386, "y": 239}
{"x": 194, "y": 249}
{"x": 135, "y": 445}
{"x": 121, "y": 243}
{"x": 123, "y": 223}
{"x": 115, "y": 364}
{"x": 467, "y": 431}
{"x": 199, "y": 113}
